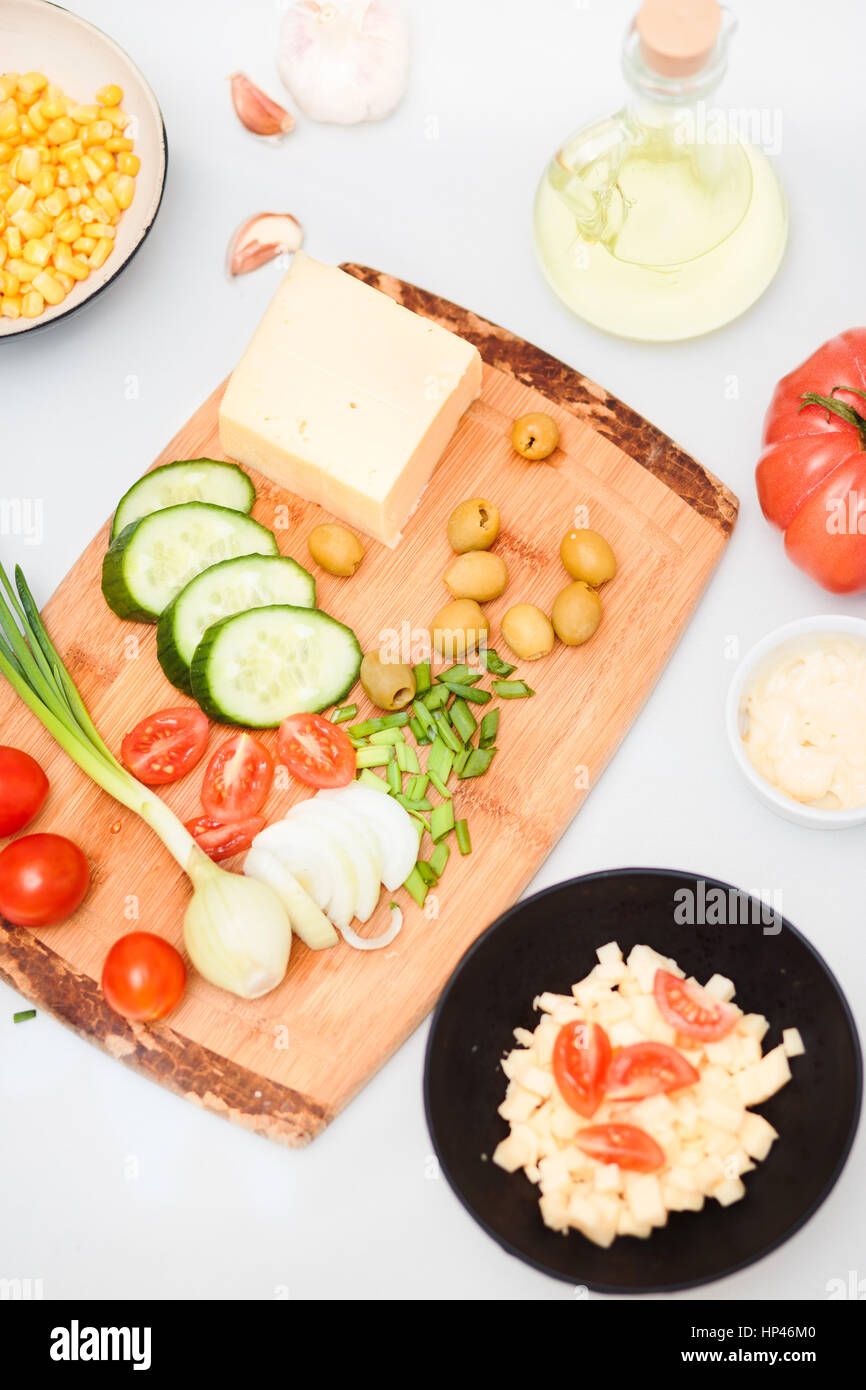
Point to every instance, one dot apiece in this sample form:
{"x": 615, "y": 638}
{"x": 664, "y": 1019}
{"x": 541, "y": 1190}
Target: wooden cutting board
{"x": 286, "y": 1064}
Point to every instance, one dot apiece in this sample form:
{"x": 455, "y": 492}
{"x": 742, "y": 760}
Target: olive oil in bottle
{"x": 660, "y": 222}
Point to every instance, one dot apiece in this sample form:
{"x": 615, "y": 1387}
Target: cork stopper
{"x": 678, "y": 36}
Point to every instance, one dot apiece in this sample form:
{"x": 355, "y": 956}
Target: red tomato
{"x": 43, "y": 878}
{"x": 165, "y": 745}
{"x": 693, "y": 1011}
{"x": 581, "y": 1055}
{"x": 23, "y": 789}
{"x": 646, "y": 1069}
{"x": 221, "y": 839}
{"x": 143, "y": 977}
{"x": 317, "y": 752}
{"x": 811, "y": 476}
{"x": 626, "y": 1145}
{"x": 237, "y": 780}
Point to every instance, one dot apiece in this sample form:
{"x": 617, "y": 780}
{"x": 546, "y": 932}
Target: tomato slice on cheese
{"x": 625, "y": 1145}
{"x": 581, "y": 1055}
{"x": 647, "y": 1069}
{"x": 692, "y": 1010}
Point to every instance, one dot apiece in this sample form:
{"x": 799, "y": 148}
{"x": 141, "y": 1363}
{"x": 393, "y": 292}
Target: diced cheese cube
{"x": 753, "y": 1024}
{"x": 613, "y": 1010}
{"x": 554, "y": 1210}
{"x": 609, "y": 954}
{"x": 643, "y": 962}
{"x": 644, "y": 1013}
{"x": 758, "y": 1083}
{"x": 595, "y": 1217}
{"x": 346, "y": 398}
{"x": 663, "y": 1032}
{"x": 554, "y": 1171}
{"x": 532, "y": 1172}
{"x": 654, "y": 1113}
{"x": 511, "y": 1153}
{"x": 536, "y": 1079}
{"x": 540, "y": 1121}
{"x": 518, "y": 1103}
{"x": 792, "y": 1042}
{"x": 545, "y": 1040}
{"x": 737, "y": 1163}
{"x": 627, "y": 1225}
{"x": 729, "y": 1191}
{"x": 721, "y": 1110}
{"x": 524, "y": 1037}
{"x": 709, "y": 1172}
{"x": 724, "y": 1051}
{"x": 644, "y": 1197}
{"x": 624, "y": 1033}
{"x": 682, "y": 1177}
{"x": 517, "y": 1062}
{"x": 720, "y": 1141}
{"x": 680, "y": 1198}
{"x": 607, "y": 1178}
{"x": 757, "y": 1136}
{"x": 564, "y": 1122}
{"x": 720, "y": 987}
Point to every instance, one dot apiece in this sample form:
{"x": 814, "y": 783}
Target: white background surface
{"x": 113, "y": 1187}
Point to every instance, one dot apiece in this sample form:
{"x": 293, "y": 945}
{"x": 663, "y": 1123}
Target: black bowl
{"x": 547, "y": 943}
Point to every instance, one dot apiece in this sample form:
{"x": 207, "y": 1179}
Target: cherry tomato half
{"x": 316, "y": 752}
{"x": 647, "y": 1069}
{"x": 23, "y": 789}
{"x": 143, "y": 977}
{"x": 237, "y": 779}
{"x": 581, "y": 1055}
{"x": 693, "y": 1011}
{"x": 43, "y": 878}
{"x": 220, "y": 839}
{"x": 165, "y": 745}
{"x": 625, "y": 1145}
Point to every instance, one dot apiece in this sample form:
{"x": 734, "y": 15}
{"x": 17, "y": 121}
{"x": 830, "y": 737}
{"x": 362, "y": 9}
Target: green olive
{"x": 528, "y": 631}
{"x": 474, "y": 525}
{"x": 478, "y": 574}
{"x": 535, "y": 435}
{"x": 587, "y": 555}
{"x": 459, "y": 629}
{"x": 389, "y": 684}
{"x": 576, "y": 613}
{"x": 334, "y": 548}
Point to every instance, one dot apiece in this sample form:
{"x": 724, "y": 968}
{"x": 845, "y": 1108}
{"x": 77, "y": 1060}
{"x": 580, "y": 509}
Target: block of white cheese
{"x": 346, "y": 398}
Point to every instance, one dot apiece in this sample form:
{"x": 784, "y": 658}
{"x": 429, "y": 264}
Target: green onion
{"x": 427, "y": 872}
{"x": 439, "y": 784}
{"x": 371, "y": 779}
{"x": 423, "y": 715}
{"x": 343, "y": 713}
{"x": 387, "y": 736}
{"x": 461, "y": 760}
{"x": 375, "y": 726}
{"x": 436, "y": 697}
{"x": 414, "y": 804}
{"x": 464, "y": 675}
{"x": 373, "y": 757}
{"x": 24, "y": 1016}
{"x": 416, "y": 886}
{"x": 512, "y": 690}
{"x": 447, "y": 734}
{"x": 440, "y": 759}
{"x": 357, "y": 742}
{"x": 463, "y": 719}
{"x": 439, "y": 858}
{"x": 422, "y": 677}
{"x": 419, "y": 731}
{"x": 478, "y": 762}
{"x": 442, "y": 820}
{"x": 495, "y": 666}
{"x": 464, "y": 844}
{"x": 417, "y": 786}
{"x": 407, "y": 758}
{"x": 395, "y": 778}
{"x": 489, "y": 728}
{"x": 467, "y": 692}
{"x": 236, "y": 930}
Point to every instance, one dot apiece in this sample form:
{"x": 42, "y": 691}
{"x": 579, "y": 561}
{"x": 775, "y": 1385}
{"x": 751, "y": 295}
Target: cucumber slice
{"x": 257, "y": 667}
{"x": 188, "y": 480}
{"x": 152, "y": 559}
{"x": 232, "y": 586}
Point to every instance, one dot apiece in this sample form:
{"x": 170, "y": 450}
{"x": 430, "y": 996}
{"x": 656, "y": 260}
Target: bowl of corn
{"x": 82, "y": 163}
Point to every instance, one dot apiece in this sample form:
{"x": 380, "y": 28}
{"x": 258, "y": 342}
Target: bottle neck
{"x": 658, "y": 97}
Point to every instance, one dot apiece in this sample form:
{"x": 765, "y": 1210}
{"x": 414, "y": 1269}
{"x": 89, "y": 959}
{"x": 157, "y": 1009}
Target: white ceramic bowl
{"x": 735, "y": 718}
{"x": 42, "y": 37}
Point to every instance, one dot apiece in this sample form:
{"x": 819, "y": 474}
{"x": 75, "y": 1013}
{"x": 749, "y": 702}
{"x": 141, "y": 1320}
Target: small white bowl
{"x": 786, "y": 806}
{"x": 41, "y": 37}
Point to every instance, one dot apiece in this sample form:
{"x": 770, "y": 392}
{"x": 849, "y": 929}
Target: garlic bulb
{"x": 262, "y": 238}
{"x": 345, "y": 60}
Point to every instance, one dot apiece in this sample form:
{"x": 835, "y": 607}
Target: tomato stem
{"x": 834, "y": 407}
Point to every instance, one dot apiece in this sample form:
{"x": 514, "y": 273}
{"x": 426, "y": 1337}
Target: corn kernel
{"x": 100, "y": 253}
{"x": 119, "y": 119}
{"x": 71, "y": 265}
{"x": 56, "y": 202}
{"x": 111, "y": 95}
{"x": 11, "y": 306}
{"x": 26, "y": 128}
{"x": 22, "y": 198}
{"x": 97, "y": 132}
{"x": 3, "y": 254}
{"x": 123, "y": 191}
{"x": 77, "y": 171}
{"x": 43, "y": 182}
{"x": 32, "y": 82}
{"x": 29, "y": 224}
{"x": 103, "y": 160}
{"x": 69, "y": 230}
{"x": 26, "y": 164}
{"x": 23, "y": 270}
{"x": 9, "y": 283}
{"x": 94, "y": 173}
{"x": 10, "y": 126}
{"x": 73, "y": 149}
{"x": 63, "y": 177}
{"x": 52, "y": 108}
{"x": 38, "y": 252}
{"x": 83, "y": 244}
{"x": 32, "y": 304}
{"x": 8, "y": 83}
{"x": 66, "y": 280}
{"x": 116, "y": 143}
{"x": 14, "y": 241}
{"x": 128, "y": 164}
{"x": 74, "y": 195}
{"x": 51, "y": 290}
{"x": 83, "y": 115}
{"x": 60, "y": 131}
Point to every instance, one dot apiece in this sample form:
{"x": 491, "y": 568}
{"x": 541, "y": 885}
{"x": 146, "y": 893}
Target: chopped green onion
{"x": 468, "y": 692}
{"x": 464, "y": 675}
{"x": 442, "y": 820}
{"x": 24, "y": 1015}
{"x": 478, "y": 762}
{"x": 439, "y": 858}
{"x": 461, "y": 760}
{"x": 417, "y": 786}
{"x": 489, "y": 728}
{"x": 343, "y": 713}
{"x": 370, "y": 779}
{"x": 437, "y": 696}
{"x": 440, "y": 759}
{"x": 414, "y": 804}
{"x": 365, "y": 729}
{"x": 463, "y": 719}
{"x": 357, "y": 742}
{"x": 375, "y": 726}
{"x": 423, "y": 715}
{"x": 395, "y": 778}
{"x": 422, "y": 677}
{"x": 398, "y": 720}
{"x": 427, "y": 872}
{"x": 416, "y": 886}
{"x": 387, "y": 736}
{"x": 464, "y": 844}
{"x": 407, "y": 758}
{"x": 373, "y": 757}
{"x": 495, "y": 665}
{"x": 439, "y": 784}
{"x": 447, "y": 734}
{"x": 512, "y": 690}
{"x": 419, "y": 731}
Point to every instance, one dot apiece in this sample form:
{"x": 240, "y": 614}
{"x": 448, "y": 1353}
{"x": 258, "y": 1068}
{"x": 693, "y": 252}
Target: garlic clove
{"x": 257, "y": 111}
{"x": 262, "y": 238}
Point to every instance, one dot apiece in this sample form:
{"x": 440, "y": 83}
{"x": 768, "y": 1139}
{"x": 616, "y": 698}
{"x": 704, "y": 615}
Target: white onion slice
{"x": 375, "y": 943}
